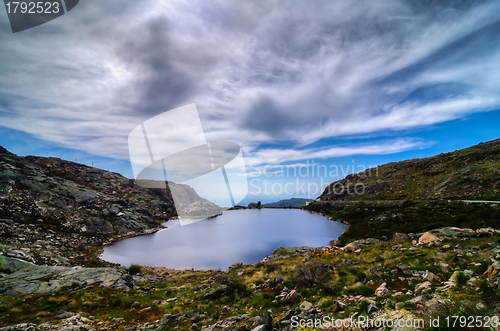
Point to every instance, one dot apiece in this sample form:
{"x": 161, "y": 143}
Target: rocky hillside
{"x": 425, "y": 281}
{"x": 471, "y": 173}
{"x": 49, "y": 199}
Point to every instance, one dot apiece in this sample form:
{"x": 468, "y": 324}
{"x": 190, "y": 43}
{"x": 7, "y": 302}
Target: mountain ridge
{"x": 293, "y": 202}
{"x": 469, "y": 173}
{"x": 78, "y": 205}
{"x": 417, "y": 195}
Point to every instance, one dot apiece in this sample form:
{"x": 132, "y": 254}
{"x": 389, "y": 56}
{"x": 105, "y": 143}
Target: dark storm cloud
{"x": 165, "y": 78}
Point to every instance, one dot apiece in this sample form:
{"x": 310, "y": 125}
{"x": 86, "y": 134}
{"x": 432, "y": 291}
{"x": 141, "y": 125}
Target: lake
{"x": 245, "y": 236}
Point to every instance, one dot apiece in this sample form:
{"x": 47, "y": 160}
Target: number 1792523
{"x": 33, "y": 7}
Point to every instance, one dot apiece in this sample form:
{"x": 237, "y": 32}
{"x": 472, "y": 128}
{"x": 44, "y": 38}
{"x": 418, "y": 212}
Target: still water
{"x": 237, "y": 236}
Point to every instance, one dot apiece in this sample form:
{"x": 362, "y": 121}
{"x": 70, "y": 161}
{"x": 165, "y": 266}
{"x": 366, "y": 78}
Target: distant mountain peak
{"x": 293, "y": 202}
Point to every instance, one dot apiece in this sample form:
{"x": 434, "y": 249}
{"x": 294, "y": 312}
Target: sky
{"x": 342, "y": 85}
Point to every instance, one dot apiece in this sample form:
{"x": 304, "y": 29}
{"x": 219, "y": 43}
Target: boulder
{"x": 10, "y": 265}
{"x": 290, "y": 296}
{"x": 284, "y": 251}
{"x": 197, "y": 318}
{"x": 401, "y": 237}
{"x": 216, "y": 293}
{"x": 267, "y": 320}
{"x": 280, "y": 278}
{"x": 422, "y": 287}
{"x": 480, "y": 306}
{"x": 46, "y": 279}
{"x": 372, "y": 308}
{"x": 168, "y": 319}
{"x": 493, "y": 270}
{"x": 376, "y": 273}
{"x": 306, "y": 305}
{"x": 445, "y": 267}
{"x": 360, "y": 243}
{"x": 404, "y": 269}
{"x": 456, "y": 259}
{"x": 341, "y": 305}
{"x": 432, "y": 277}
{"x": 454, "y": 232}
{"x": 382, "y": 291}
{"x": 427, "y": 238}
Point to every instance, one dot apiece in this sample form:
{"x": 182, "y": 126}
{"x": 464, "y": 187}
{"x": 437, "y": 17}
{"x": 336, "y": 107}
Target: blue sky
{"x": 291, "y": 82}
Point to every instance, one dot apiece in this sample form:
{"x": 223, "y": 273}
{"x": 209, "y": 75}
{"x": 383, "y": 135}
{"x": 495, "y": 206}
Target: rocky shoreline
{"x": 394, "y": 290}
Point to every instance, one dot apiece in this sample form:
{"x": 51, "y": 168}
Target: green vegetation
{"x": 381, "y": 221}
{"x": 134, "y": 269}
{"x": 322, "y": 279}
{"x": 471, "y": 173}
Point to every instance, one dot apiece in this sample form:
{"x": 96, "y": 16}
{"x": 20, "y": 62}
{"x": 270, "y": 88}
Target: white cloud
{"x": 274, "y": 157}
{"x": 260, "y": 72}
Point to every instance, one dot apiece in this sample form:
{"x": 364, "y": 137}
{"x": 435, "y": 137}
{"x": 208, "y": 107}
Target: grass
{"x": 370, "y": 220}
{"x": 321, "y": 281}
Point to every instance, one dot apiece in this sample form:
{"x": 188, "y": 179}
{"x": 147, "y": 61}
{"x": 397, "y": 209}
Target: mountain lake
{"x": 245, "y": 236}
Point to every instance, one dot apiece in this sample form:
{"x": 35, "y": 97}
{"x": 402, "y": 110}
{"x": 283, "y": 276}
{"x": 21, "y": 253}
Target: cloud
{"x": 276, "y": 156}
{"x": 270, "y": 72}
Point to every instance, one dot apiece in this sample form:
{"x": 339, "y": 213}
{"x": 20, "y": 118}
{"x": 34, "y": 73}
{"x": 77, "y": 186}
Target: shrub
{"x": 134, "y": 269}
{"x": 270, "y": 267}
{"x": 361, "y": 276}
{"x": 310, "y": 275}
{"x": 360, "y": 289}
{"x": 462, "y": 279}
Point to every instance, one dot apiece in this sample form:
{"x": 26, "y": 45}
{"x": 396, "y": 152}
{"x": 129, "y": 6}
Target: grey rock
{"x": 376, "y": 273}
{"x": 382, "y": 291}
{"x": 372, "y": 308}
{"x": 280, "y": 278}
{"x": 267, "y": 319}
{"x": 64, "y": 315}
{"x": 432, "y": 277}
{"x": 46, "y": 279}
{"x": 168, "y": 319}
{"x": 197, "y": 318}
{"x": 10, "y": 265}
{"x": 306, "y": 305}
{"x": 404, "y": 269}
{"x": 172, "y": 299}
{"x": 217, "y": 292}
{"x": 284, "y": 251}
{"x": 401, "y": 237}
